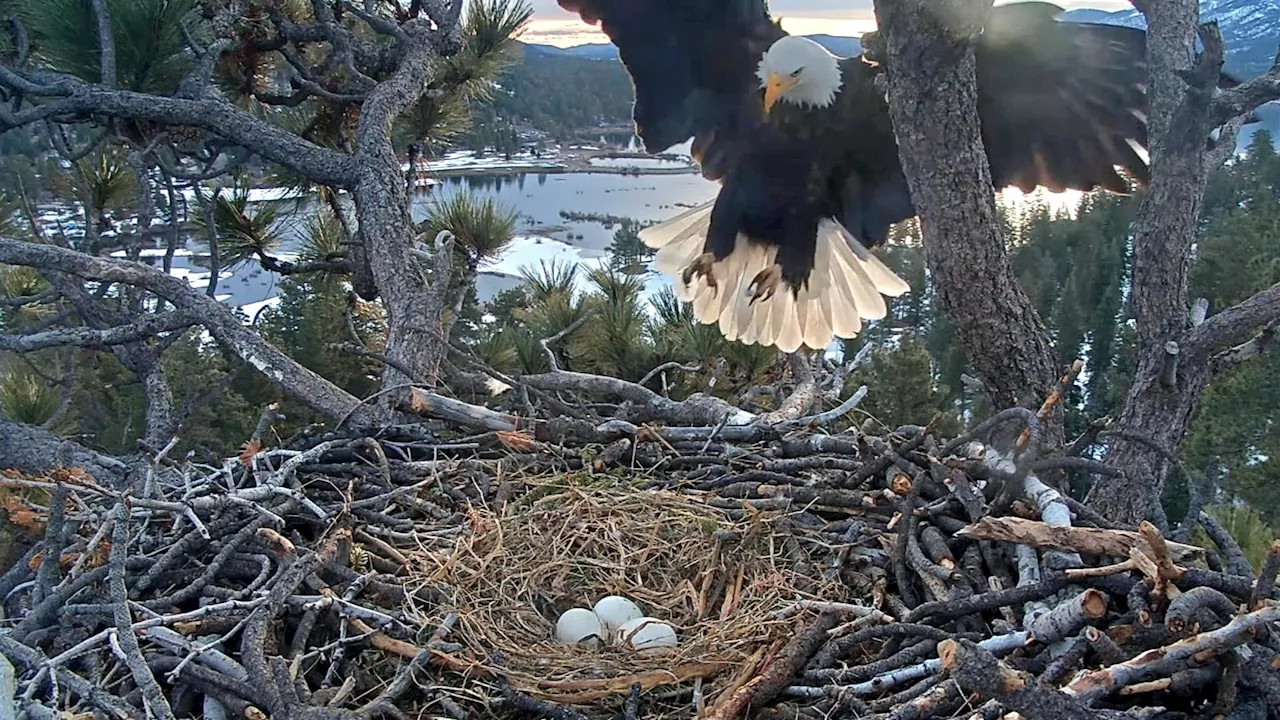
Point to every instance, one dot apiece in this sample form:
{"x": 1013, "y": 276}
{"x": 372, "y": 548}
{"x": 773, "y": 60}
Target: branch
{"x": 698, "y": 409}
{"x": 216, "y": 116}
{"x": 84, "y": 337}
{"x": 546, "y": 342}
{"x": 1233, "y": 325}
{"x": 33, "y": 450}
{"x": 305, "y": 385}
{"x": 1165, "y": 660}
{"x": 106, "y": 42}
{"x": 1261, "y": 343}
{"x": 799, "y": 402}
{"x": 1246, "y": 97}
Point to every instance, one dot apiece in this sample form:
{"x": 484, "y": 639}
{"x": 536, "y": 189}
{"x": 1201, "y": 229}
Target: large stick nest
{"x": 719, "y": 582}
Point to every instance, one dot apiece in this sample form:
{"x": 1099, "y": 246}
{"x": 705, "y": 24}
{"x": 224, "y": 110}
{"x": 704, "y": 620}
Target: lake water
{"x": 543, "y": 234}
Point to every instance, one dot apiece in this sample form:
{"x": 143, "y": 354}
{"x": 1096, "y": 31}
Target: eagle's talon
{"x": 765, "y": 283}
{"x": 701, "y": 267}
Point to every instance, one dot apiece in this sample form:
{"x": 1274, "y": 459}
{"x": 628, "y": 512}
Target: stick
{"x": 1167, "y": 660}
{"x": 1088, "y": 541}
{"x": 154, "y": 697}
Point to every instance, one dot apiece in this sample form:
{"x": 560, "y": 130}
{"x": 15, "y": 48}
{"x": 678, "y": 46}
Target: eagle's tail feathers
{"x": 678, "y": 228}
{"x": 863, "y": 291}
{"x": 678, "y": 241}
{"x": 844, "y": 288}
{"x": 885, "y": 280}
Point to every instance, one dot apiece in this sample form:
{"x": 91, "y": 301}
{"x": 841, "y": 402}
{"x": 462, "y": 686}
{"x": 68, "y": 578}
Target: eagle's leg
{"x": 701, "y": 267}
{"x": 765, "y": 283}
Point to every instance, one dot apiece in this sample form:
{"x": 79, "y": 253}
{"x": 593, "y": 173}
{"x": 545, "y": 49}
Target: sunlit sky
{"x": 553, "y": 26}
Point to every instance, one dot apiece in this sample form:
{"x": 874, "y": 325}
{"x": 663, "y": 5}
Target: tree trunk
{"x": 414, "y": 341}
{"x": 1166, "y": 385}
{"x": 933, "y": 105}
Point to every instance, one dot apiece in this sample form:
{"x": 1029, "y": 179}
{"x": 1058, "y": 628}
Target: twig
{"x": 152, "y": 694}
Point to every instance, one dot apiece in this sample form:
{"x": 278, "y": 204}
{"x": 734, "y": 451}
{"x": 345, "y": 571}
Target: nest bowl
{"x": 720, "y": 579}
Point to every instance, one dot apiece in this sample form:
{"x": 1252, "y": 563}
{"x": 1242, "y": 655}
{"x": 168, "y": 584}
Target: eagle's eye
{"x": 797, "y": 71}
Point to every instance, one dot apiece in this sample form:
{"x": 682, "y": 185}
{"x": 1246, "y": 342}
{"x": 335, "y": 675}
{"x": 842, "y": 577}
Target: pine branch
{"x": 142, "y": 329}
{"x": 226, "y": 328}
{"x": 69, "y": 97}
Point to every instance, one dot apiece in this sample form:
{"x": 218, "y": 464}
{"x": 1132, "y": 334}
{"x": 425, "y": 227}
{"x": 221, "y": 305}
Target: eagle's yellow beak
{"x": 777, "y": 86}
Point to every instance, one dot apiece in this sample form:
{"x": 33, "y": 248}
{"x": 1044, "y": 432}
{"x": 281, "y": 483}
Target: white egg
{"x": 646, "y": 634}
{"x": 614, "y": 611}
{"x": 578, "y": 625}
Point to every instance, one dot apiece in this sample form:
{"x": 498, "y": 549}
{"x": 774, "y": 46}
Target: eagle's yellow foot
{"x": 765, "y": 283}
{"x": 701, "y": 267}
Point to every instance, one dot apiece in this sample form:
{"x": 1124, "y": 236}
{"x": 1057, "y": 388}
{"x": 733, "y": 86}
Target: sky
{"x": 553, "y": 26}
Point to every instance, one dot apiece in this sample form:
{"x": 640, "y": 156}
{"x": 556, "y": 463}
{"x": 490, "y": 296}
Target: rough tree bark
{"x": 932, "y": 94}
{"x": 379, "y": 69}
{"x": 1177, "y": 362}
{"x": 35, "y": 450}
{"x": 933, "y": 104}
{"x": 414, "y": 313}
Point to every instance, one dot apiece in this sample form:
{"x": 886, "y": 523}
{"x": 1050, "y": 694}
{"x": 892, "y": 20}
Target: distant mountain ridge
{"x": 1249, "y": 27}
{"x": 835, "y": 44}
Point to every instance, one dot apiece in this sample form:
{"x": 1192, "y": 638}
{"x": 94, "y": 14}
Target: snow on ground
{"x": 466, "y": 160}
{"x": 252, "y": 309}
{"x": 638, "y": 163}
{"x": 256, "y": 195}
{"x": 527, "y": 251}
{"x": 154, "y": 253}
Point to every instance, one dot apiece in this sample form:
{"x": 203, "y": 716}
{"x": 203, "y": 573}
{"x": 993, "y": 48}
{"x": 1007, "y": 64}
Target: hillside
{"x": 562, "y": 90}
{"x": 1249, "y": 27}
{"x": 559, "y": 92}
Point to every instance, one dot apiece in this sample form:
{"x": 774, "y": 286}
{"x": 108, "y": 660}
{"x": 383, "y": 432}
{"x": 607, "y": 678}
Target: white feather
{"x": 660, "y": 235}
{"x": 886, "y": 282}
{"x": 845, "y": 286}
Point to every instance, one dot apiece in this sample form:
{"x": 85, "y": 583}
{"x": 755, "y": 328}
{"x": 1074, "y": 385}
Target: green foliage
{"x": 903, "y": 387}
{"x": 614, "y": 341}
{"x": 487, "y": 50}
{"x": 26, "y": 397}
{"x": 244, "y": 233}
{"x": 218, "y": 396}
{"x": 482, "y": 227}
{"x": 150, "y": 51}
{"x": 1235, "y": 434}
{"x": 1246, "y": 526}
{"x": 563, "y": 94}
{"x": 308, "y": 323}
{"x": 627, "y": 252}
{"x": 103, "y": 179}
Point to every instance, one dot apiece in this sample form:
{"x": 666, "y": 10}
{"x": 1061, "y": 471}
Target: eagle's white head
{"x": 799, "y": 71}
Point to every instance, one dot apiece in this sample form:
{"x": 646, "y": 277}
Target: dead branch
{"x": 1091, "y": 541}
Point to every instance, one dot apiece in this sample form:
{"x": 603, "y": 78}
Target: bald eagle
{"x": 805, "y": 153}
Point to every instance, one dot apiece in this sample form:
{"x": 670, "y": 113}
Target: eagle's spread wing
{"x": 1061, "y": 103}
{"x": 693, "y": 65}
